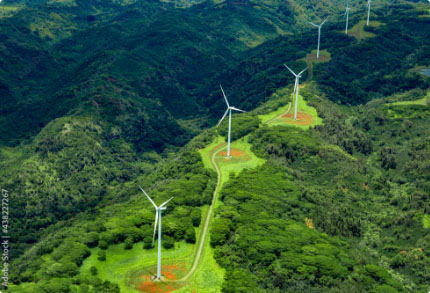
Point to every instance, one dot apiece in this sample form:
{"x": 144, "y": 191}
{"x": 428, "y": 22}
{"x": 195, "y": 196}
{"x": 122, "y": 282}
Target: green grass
{"x": 301, "y": 107}
{"x": 232, "y": 165}
{"x": 275, "y": 106}
{"x": 426, "y": 221}
{"x": 358, "y": 31}
{"x": 120, "y": 264}
{"x": 266, "y": 118}
{"x": 423, "y": 101}
{"x": 209, "y": 276}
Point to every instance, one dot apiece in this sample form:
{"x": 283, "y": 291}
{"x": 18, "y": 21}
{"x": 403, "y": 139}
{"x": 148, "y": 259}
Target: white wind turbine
{"x": 229, "y": 108}
{"x": 319, "y": 35}
{"x": 296, "y": 88}
{"x": 347, "y": 16}
{"x": 368, "y": 10}
{"x": 157, "y": 216}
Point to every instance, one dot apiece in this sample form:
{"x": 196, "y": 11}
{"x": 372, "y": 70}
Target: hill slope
{"x": 113, "y": 105}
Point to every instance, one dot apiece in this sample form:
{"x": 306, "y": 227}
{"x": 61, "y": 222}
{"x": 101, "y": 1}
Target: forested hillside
{"x": 99, "y": 97}
{"x": 356, "y": 182}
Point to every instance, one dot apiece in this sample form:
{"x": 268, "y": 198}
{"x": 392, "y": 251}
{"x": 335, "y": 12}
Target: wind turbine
{"x": 157, "y": 216}
{"x": 368, "y": 11}
{"x": 347, "y": 16}
{"x": 319, "y": 34}
{"x": 229, "y": 108}
{"x": 296, "y": 87}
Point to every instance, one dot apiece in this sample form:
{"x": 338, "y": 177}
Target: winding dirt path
{"x": 204, "y": 233}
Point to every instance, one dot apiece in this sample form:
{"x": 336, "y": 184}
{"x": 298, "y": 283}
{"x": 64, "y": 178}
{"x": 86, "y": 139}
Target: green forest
{"x": 99, "y": 97}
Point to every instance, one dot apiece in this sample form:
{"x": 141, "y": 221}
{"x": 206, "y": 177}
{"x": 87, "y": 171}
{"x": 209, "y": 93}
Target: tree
{"x": 101, "y": 255}
{"x": 103, "y": 244}
{"x": 190, "y": 235}
{"x": 147, "y": 242}
{"x": 128, "y": 244}
{"x": 387, "y": 157}
{"x": 196, "y": 216}
{"x": 93, "y": 271}
{"x": 91, "y": 239}
{"x": 220, "y": 231}
{"x": 168, "y": 242}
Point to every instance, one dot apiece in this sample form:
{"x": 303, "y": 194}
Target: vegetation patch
{"x": 423, "y": 101}
{"x": 426, "y": 221}
{"x": 306, "y": 116}
{"x": 358, "y": 31}
{"x": 311, "y": 59}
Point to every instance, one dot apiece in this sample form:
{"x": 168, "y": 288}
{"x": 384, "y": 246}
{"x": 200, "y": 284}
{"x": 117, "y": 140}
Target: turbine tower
{"x": 368, "y": 11}
{"x": 296, "y": 87}
{"x": 229, "y": 108}
{"x": 157, "y": 216}
{"x": 347, "y": 16}
{"x": 319, "y": 34}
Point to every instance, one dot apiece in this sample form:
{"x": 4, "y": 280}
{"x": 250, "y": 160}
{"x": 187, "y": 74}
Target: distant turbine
{"x": 319, "y": 35}
{"x": 296, "y": 88}
{"x": 229, "y": 108}
{"x": 157, "y": 215}
{"x": 368, "y": 10}
{"x": 347, "y": 16}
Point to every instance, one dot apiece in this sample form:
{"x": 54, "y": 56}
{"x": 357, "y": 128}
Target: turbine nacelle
{"x": 320, "y": 25}
{"x": 229, "y": 108}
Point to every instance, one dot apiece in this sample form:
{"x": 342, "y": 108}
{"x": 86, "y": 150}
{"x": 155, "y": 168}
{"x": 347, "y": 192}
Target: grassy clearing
{"x": 267, "y": 118}
{"x": 120, "y": 264}
{"x": 277, "y": 105}
{"x": 426, "y": 221}
{"x": 423, "y": 101}
{"x": 125, "y": 266}
{"x": 306, "y": 110}
{"x": 358, "y": 32}
{"x": 234, "y": 164}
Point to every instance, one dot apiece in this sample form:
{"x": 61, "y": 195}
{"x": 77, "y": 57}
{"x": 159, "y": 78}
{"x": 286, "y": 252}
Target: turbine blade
{"x": 155, "y": 227}
{"x": 228, "y": 105}
{"x": 313, "y": 24}
{"x": 225, "y": 114}
{"x": 290, "y": 70}
{"x": 323, "y": 22}
{"x": 148, "y": 197}
{"x": 303, "y": 71}
{"x": 166, "y": 202}
{"x": 236, "y": 109}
